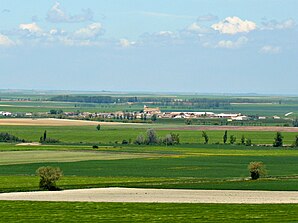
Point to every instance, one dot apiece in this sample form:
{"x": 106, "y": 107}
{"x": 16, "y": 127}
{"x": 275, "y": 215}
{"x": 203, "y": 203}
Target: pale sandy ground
{"x": 157, "y": 196}
{"x": 56, "y": 122}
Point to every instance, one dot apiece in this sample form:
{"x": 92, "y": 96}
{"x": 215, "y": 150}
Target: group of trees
{"x": 6, "y": 137}
{"x": 244, "y": 141}
{"x": 46, "y": 139}
{"x": 278, "y": 139}
{"x": 153, "y": 139}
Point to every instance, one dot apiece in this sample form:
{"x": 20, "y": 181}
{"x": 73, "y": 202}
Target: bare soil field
{"x": 237, "y": 128}
{"x": 158, "y": 196}
{"x": 55, "y": 122}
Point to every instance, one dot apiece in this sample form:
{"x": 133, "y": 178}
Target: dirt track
{"x": 238, "y": 128}
{"x": 54, "y": 122}
{"x": 158, "y": 196}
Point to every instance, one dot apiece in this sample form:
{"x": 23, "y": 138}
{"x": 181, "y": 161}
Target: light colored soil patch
{"x": 21, "y": 157}
{"x": 237, "y": 128}
{"x": 29, "y": 144}
{"x": 158, "y": 195}
{"x": 56, "y": 122}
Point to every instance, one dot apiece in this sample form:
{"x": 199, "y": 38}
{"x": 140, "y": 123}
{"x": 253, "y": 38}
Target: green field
{"x": 190, "y": 165}
{"x": 22, "y": 211}
{"x": 195, "y": 166}
{"x": 112, "y": 134}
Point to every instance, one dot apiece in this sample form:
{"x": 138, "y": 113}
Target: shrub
{"x": 168, "y": 140}
{"x": 248, "y": 142}
{"x": 175, "y": 138}
{"x": 49, "y": 140}
{"x": 98, "y": 127}
{"x": 242, "y": 140}
{"x": 140, "y": 140}
{"x": 6, "y": 137}
{"x": 124, "y": 142}
{"x": 95, "y": 147}
{"x": 152, "y": 137}
{"x": 256, "y": 169}
{"x": 232, "y": 139}
{"x": 48, "y": 177}
{"x": 278, "y": 140}
{"x": 205, "y": 136}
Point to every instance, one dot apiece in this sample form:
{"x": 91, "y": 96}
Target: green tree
{"x": 248, "y": 142}
{"x": 242, "y": 140}
{"x": 45, "y": 135}
{"x": 278, "y": 140}
{"x": 295, "y": 122}
{"x": 140, "y": 140}
{"x": 168, "y": 140}
{"x": 98, "y": 127}
{"x": 295, "y": 144}
{"x": 48, "y": 177}
{"x": 152, "y": 137}
{"x": 256, "y": 170}
{"x": 176, "y": 138}
{"x": 225, "y": 137}
{"x": 205, "y": 136}
{"x": 154, "y": 117}
{"x": 232, "y": 139}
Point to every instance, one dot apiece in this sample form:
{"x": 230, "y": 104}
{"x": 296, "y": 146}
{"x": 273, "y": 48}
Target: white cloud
{"x": 126, "y": 43}
{"x": 30, "y": 27}
{"x": 197, "y": 28}
{"x": 5, "y": 41}
{"x": 234, "y": 25}
{"x": 165, "y": 33}
{"x": 272, "y": 25}
{"x": 232, "y": 44}
{"x": 57, "y": 15}
{"x": 90, "y": 32}
{"x": 270, "y": 49}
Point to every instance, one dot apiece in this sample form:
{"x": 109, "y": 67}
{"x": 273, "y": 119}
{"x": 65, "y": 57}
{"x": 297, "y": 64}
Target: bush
{"x": 124, "y": 142}
{"x": 232, "y": 139}
{"x": 278, "y": 140}
{"x": 256, "y": 170}
{"x": 152, "y": 137}
{"x": 95, "y": 147}
{"x": 140, "y": 140}
{"x": 48, "y": 177}
{"x": 248, "y": 142}
{"x": 205, "y": 136}
{"x": 168, "y": 140}
{"x": 49, "y": 140}
{"x": 6, "y": 137}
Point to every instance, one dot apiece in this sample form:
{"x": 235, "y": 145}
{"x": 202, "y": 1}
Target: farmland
{"x": 92, "y": 158}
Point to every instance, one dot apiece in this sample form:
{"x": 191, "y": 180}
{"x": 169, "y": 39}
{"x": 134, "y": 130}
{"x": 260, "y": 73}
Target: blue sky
{"x": 198, "y": 46}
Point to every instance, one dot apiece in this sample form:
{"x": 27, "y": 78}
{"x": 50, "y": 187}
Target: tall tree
{"x": 205, "y": 136}
{"x": 45, "y": 135}
{"x": 278, "y": 140}
{"x": 225, "y": 137}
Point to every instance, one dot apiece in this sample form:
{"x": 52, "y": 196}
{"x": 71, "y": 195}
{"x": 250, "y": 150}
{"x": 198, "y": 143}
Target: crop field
{"x": 112, "y": 133}
{"x": 26, "y": 211}
{"x": 195, "y": 166}
{"x": 91, "y": 158}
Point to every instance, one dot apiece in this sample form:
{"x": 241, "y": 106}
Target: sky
{"x": 198, "y": 46}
